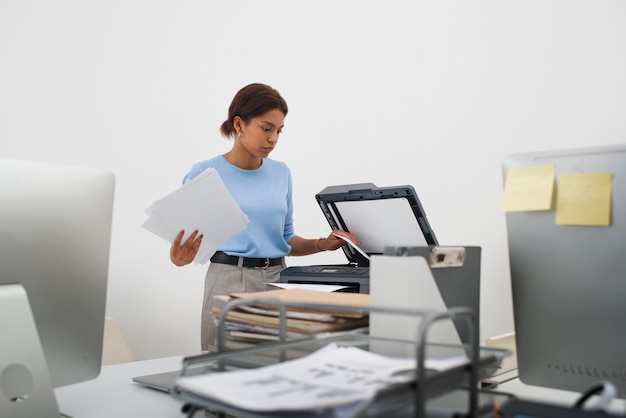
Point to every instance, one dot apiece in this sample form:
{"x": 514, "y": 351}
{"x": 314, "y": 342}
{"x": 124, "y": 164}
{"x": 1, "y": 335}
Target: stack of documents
{"x": 258, "y": 322}
{"x": 202, "y": 204}
{"x": 334, "y": 378}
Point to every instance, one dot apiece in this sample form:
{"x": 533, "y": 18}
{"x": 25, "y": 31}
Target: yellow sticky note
{"x": 528, "y": 188}
{"x": 584, "y": 199}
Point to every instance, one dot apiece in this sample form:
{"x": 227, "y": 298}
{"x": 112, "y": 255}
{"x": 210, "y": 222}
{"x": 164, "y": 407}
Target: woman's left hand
{"x": 336, "y": 240}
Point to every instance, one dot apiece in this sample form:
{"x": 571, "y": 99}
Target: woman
{"x": 262, "y": 189}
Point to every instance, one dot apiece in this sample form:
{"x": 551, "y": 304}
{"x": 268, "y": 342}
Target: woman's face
{"x": 260, "y": 135}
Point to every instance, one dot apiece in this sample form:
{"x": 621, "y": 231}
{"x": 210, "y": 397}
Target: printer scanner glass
{"x": 367, "y": 218}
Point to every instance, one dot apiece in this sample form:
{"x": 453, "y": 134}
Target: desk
{"x": 114, "y": 395}
{"x": 553, "y": 396}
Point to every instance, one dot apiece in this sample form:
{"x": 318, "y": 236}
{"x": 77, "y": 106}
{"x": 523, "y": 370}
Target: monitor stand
{"x": 25, "y": 385}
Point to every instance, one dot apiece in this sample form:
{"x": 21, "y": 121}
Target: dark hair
{"x": 250, "y": 102}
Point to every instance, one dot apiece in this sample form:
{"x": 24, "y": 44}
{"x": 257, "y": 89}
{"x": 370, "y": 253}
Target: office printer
{"x": 379, "y": 217}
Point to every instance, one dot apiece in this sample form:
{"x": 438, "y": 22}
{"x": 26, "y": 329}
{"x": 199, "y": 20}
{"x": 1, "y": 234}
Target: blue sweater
{"x": 264, "y": 195}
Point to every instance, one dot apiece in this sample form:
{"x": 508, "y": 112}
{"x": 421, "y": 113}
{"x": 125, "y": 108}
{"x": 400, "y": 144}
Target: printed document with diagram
{"x": 202, "y": 203}
{"x": 331, "y": 377}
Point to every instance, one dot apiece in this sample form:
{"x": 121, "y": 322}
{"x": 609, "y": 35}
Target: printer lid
{"x": 378, "y": 216}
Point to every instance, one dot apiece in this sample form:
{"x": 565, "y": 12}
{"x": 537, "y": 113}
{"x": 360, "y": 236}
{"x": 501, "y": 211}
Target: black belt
{"x": 259, "y": 263}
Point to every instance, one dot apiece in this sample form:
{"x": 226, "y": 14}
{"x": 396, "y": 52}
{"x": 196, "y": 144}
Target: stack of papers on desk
{"x": 332, "y": 377}
{"x": 260, "y": 322}
{"x": 202, "y": 204}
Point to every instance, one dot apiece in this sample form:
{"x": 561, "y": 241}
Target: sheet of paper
{"x": 529, "y": 188}
{"x": 310, "y": 286}
{"x": 584, "y": 199}
{"x": 353, "y": 244}
{"x": 203, "y": 204}
{"x": 330, "y": 377}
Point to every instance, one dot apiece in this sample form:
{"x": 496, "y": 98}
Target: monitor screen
{"x": 568, "y": 276}
{"x": 55, "y": 230}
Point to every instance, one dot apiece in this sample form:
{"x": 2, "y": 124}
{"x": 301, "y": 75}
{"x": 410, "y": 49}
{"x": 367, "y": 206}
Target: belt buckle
{"x": 265, "y": 266}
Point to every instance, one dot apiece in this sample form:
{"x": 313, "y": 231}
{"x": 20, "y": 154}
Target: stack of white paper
{"x": 202, "y": 203}
{"x": 331, "y": 377}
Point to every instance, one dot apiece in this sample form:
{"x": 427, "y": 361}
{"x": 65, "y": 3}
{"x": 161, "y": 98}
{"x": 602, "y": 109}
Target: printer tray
{"x": 356, "y": 279}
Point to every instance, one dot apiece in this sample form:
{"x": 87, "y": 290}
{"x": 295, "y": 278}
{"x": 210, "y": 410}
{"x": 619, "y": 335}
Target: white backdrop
{"x": 427, "y": 93}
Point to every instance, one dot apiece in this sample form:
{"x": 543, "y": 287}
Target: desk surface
{"x": 114, "y": 394}
{"x": 553, "y": 396}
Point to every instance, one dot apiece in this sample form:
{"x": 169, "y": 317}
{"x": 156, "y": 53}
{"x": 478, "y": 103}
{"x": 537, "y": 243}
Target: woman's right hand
{"x": 183, "y": 254}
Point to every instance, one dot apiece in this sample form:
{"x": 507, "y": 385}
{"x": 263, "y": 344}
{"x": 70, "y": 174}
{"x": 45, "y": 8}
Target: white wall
{"x": 427, "y": 93}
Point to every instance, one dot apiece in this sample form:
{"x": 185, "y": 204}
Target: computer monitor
{"x": 568, "y": 280}
{"x": 55, "y": 231}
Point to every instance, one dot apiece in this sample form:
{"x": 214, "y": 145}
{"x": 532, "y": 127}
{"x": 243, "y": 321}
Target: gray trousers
{"x": 223, "y": 279}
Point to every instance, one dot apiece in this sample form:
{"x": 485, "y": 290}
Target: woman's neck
{"x": 245, "y": 162}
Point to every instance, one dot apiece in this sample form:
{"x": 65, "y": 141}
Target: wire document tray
{"x": 404, "y": 399}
